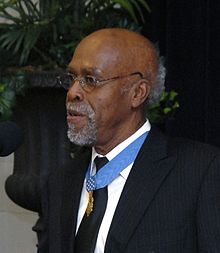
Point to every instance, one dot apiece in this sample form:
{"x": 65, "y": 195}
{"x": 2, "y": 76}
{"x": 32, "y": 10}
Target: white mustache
{"x": 82, "y": 108}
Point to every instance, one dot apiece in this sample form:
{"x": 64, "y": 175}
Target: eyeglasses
{"x": 88, "y": 83}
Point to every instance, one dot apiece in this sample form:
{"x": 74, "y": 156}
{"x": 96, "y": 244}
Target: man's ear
{"x": 141, "y": 91}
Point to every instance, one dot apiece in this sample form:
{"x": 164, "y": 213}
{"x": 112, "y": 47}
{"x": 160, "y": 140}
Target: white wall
{"x": 16, "y": 235}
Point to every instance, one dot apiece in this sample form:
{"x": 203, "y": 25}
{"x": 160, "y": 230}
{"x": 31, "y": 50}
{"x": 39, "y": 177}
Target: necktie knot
{"x": 100, "y": 162}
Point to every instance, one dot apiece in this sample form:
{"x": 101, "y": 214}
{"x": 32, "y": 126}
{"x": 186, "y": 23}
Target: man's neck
{"x": 105, "y": 148}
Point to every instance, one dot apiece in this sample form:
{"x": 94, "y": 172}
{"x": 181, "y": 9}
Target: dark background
{"x": 188, "y": 34}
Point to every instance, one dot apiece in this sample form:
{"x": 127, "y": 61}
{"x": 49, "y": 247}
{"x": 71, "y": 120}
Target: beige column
{"x": 16, "y": 235}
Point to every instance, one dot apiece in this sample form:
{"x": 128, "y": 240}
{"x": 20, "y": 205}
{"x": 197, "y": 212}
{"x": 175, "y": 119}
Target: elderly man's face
{"x": 101, "y": 114}
{"x": 113, "y": 110}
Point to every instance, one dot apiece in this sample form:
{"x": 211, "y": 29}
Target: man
{"x": 154, "y": 193}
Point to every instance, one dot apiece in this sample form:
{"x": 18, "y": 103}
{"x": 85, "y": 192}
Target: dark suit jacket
{"x": 170, "y": 202}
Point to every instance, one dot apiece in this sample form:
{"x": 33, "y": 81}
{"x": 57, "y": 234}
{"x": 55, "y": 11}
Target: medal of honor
{"x": 89, "y": 208}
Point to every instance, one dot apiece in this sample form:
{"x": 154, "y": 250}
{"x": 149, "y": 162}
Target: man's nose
{"x": 75, "y": 92}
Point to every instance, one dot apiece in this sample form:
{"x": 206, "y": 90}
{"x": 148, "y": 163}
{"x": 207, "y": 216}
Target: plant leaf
{"x": 9, "y": 17}
{"x": 138, "y": 9}
{"x": 145, "y": 4}
{"x": 31, "y": 36}
{"x": 9, "y": 38}
{"x": 127, "y": 6}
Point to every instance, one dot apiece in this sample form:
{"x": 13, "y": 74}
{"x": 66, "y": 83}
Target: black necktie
{"x": 86, "y": 236}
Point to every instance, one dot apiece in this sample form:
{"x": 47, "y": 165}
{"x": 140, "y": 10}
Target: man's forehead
{"x": 96, "y": 58}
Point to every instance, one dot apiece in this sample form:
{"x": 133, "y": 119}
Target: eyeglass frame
{"x": 96, "y": 83}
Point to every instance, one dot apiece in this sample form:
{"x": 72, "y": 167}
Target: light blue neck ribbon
{"x": 114, "y": 167}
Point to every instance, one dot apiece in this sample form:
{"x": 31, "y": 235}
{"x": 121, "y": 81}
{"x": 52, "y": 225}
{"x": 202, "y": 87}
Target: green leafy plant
{"x": 45, "y": 32}
{"x": 9, "y": 88}
{"x": 165, "y": 108}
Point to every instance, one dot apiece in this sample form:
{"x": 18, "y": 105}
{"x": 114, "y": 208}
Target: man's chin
{"x": 81, "y": 138}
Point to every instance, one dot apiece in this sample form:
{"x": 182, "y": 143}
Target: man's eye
{"x": 71, "y": 77}
{"x": 90, "y": 80}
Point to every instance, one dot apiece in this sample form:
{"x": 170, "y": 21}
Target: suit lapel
{"x": 72, "y": 185}
{"x": 148, "y": 172}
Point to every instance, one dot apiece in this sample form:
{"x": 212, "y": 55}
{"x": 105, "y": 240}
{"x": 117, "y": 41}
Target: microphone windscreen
{"x": 10, "y": 138}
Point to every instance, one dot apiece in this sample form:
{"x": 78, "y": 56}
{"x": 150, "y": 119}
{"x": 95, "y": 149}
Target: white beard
{"x": 86, "y": 136}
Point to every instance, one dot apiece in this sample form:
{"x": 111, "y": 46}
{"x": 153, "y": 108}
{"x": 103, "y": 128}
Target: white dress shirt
{"x": 114, "y": 189}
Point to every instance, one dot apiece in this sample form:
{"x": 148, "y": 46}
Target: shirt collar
{"x": 116, "y": 150}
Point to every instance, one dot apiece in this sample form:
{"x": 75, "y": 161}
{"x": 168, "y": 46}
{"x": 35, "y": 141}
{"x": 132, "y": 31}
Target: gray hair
{"x": 159, "y": 86}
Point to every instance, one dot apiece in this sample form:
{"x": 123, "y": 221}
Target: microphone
{"x": 10, "y": 138}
